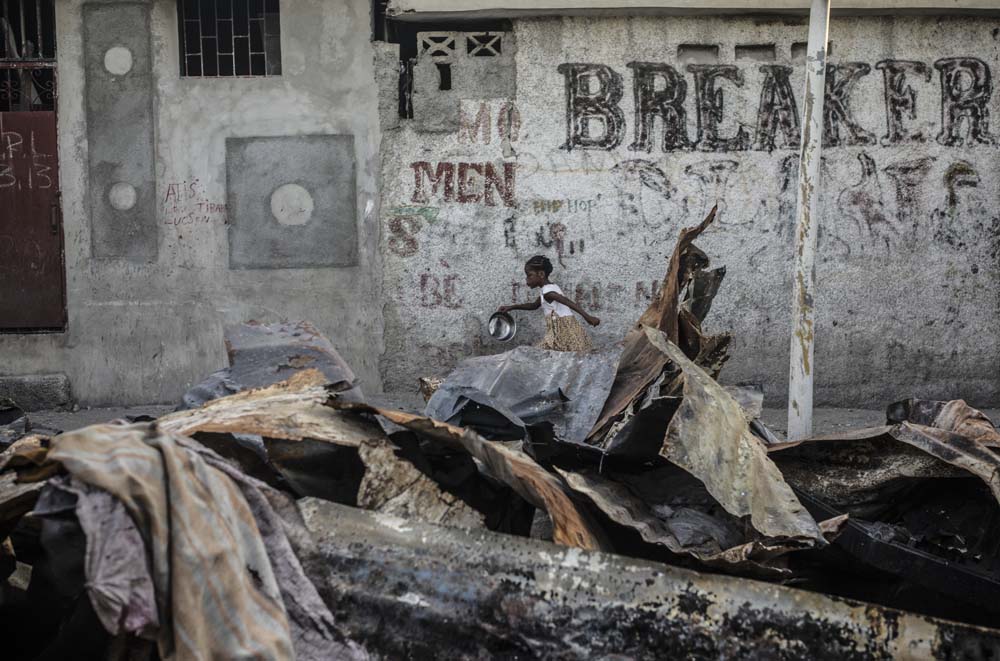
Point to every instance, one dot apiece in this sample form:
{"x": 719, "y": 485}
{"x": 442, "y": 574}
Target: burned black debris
{"x": 333, "y": 525}
{"x": 13, "y": 423}
{"x": 263, "y": 354}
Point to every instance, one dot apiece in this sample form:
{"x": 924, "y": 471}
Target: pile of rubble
{"x": 282, "y": 513}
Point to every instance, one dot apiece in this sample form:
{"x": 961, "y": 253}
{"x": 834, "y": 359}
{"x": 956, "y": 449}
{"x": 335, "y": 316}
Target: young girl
{"x": 562, "y": 331}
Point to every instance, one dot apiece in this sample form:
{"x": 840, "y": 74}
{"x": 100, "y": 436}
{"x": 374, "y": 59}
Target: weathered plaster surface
{"x": 144, "y": 332}
{"x": 120, "y": 129}
{"x": 291, "y": 202}
{"x": 907, "y": 267}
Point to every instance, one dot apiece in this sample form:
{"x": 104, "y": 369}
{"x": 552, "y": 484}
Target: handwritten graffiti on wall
{"x": 595, "y": 119}
{"x": 38, "y": 172}
{"x": 554, "y": 236}
{"x": 563, "y": 206}
{"x": 440, "y": 290}
{"x": 878, "y": 209}
{"x": 186, "y": 203}
{"x": 478, "y": 127}
{"x": 881, "y": 213}
{"x": 464, "y": 183}
{"x": 404, "y": 224}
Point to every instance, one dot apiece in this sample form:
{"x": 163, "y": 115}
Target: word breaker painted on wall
{"x": 593, "y": 95}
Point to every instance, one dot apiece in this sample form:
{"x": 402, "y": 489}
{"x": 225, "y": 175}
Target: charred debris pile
{"x": 280, "y": 513}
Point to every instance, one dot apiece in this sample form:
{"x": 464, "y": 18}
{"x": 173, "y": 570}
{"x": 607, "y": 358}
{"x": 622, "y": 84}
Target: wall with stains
{"x": 616, "y": 133}
{"x": 143, "y": 329}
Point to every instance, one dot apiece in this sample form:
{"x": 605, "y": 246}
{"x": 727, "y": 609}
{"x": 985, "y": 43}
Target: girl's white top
{"x": 555, "y": 307}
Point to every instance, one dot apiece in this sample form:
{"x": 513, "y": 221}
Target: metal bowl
{"x": 502, "y": 327}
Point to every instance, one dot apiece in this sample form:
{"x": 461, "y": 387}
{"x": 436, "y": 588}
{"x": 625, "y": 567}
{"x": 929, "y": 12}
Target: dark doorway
{"x": 32, "y": 272}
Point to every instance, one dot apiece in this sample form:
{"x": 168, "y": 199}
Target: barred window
{"x": 27, "y": 55}
{"x": 229, "y": 37}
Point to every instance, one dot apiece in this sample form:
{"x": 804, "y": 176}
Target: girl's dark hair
{"x": 540, "y": 263}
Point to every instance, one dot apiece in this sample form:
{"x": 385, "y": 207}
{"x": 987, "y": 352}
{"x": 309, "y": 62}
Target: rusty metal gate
{"x": 32, "y": 273}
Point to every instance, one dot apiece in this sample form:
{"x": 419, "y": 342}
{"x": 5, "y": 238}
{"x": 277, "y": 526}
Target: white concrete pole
{"x": 800, "y": 383}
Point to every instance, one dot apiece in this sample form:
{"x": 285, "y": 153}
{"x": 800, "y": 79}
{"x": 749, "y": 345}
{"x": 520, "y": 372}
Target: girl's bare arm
{"x": 571, "y": 304}
{"x": 521, "y": 306}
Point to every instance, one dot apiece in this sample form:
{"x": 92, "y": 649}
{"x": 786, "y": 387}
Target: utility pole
{"x": 802, "y": 368}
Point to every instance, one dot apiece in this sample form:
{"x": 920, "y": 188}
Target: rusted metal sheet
{"x": 528, "y": 386}
{"x": 954, "y": 416}
{"x": 405, "y": 589}
{"x": 511, "y": 466}
{"x": 394, "y": 486}
{"x": 961, "y": 451}
{"x": 857, "y": 471}
{"x": 264, "y": 354}
{"x": 684, "y": 531}
{"x": 955, "y": 449}
{"x": 640, "y": 364}
{"x": 318, "y": 450}
{"x": 294, "y": 410}
{"x": 918, "y": 512}
{"x": 709, "y": 437}
{"x": 32, "y": 279}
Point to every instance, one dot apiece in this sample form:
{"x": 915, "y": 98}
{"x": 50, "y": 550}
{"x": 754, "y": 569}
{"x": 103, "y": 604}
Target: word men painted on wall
{"x": 595, "y": 119}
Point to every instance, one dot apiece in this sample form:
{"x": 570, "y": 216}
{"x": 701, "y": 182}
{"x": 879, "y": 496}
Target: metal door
{"x": 32, "y": 273}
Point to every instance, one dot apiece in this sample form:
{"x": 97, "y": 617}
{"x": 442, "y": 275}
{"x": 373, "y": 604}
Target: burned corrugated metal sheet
{"x": 528, "y": 386}
{"x": 859, "y": 471}
{"x": 510, "y": 466}
{"x": 294, "y": 409}
{"x": 710, "y": 438}
{"x": 960, "y": 451}
{"x": 640, "y": 364}
{"x": 686, "y": 531}
{"x": 393, "y": 486}
{"x": 320, "y": 451}
{"x": 955, "y": 449}
{"x": 954, "y": 416}
{"x": 919, "y": 515}
{"x": 264, "y": 354}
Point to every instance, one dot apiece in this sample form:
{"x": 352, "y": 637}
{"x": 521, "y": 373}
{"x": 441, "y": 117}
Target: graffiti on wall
{"x": 17, "y": 146}
{"x": 663, "y": 98}
{"x": 465, "y": 183}
{"x": 440, "y": 288}
{"x": 880, "y": 202}
{"x": 403, "y": 226}
{"x": 563, "y": 206}
{"x": 187, "y": 203}
{"x": 479, "y": 126}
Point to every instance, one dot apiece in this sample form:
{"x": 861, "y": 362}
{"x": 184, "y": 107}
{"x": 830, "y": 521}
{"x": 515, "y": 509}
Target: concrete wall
{"x": 143, "y": 329}
{"x": 428, "y": 10}
{"x": 908, "y": 261}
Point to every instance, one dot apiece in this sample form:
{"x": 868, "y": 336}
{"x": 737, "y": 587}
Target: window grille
{"x": 229, "y": 37}
{"x": 27, "y": 55}
{"x": 484, "y": 45}
{"x": 437, "y": 44}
